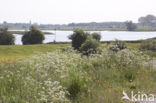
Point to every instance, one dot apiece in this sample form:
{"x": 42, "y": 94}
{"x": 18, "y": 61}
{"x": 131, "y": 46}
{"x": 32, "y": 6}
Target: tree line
{"x": 146, "y": 21}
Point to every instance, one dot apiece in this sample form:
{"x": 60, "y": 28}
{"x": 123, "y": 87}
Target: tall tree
{"x": 149, "y": 20}
{"x": 131, "y": 26}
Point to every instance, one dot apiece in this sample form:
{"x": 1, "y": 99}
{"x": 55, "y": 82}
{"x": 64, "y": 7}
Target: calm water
{"x": 62, "y": 36}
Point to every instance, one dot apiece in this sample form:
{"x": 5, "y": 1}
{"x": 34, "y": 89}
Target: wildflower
{"x": 94, "y": 77}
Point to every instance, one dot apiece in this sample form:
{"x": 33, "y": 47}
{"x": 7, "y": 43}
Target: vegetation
{"x": 68, "y": 77}
{"x": 90, "y": 46}
{"x": 148, "y": 45}
{"x": 96, "y": 36}
{"x": 118, "y": 45}
{"x": 22, "y": 51}
{"x": 6, "y": 38}
{"x": 42, "y": 74}
{"x": 78, "y": 38}
{"x": 34, "y": 36}
{"x": 147, "y": 23}
{"x": 130, "y": 26}
{"x": 149, "y": 20}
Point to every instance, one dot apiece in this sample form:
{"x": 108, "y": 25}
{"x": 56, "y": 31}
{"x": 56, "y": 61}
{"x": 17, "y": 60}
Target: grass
{"x": 28, "y": 50}
{"x": 50, "y": 77}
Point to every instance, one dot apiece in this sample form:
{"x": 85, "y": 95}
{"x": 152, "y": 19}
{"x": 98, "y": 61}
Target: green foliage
{"x": 74, "y": 88}
{"x": 34, "y": 36}
{"x": 131, "y": 26}
{"x": 96, "y": 36}
{"x": 90, "y": 46}
{"x": 6, "y": 38}
{"x": 78, "y": 37}
{"x": 118, "y": 45}
{"x": 148, "y": 45}
{"x": 149, "y": 20}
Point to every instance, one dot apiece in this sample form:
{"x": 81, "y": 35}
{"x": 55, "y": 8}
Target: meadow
{"x": 19, "y": 51}
{"x": 55, "y": 73}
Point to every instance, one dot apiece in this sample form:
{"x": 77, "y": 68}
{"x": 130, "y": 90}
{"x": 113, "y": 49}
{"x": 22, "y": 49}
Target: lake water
{"x": 62, "y": 36}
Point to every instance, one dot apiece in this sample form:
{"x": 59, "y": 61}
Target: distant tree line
{"x": 147, "y": 21}
{"x": 101, "y": 25}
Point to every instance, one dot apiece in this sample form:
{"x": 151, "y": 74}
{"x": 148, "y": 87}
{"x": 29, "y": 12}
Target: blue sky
{"x": 67, "y": 11}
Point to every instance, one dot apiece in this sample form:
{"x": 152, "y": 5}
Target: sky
{"x": 68, "y": 11}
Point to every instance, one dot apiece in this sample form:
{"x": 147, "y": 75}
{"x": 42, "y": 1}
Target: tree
{"x": 149, "y": 20}
{"x": 78, "y": 38}
{"x": 96, "y": 36}
{"x": 34, "y": 36}
{"x": 6, "y": 38}
{"x": 90, "y": 46}
{"x": 130, "y": 26}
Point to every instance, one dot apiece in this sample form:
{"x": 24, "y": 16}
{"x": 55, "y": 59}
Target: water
{"x": 62, "y": 36}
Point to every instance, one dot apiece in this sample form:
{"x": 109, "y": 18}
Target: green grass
{"x": 28, "y": 50}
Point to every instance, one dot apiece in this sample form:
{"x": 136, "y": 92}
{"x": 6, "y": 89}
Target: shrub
{"x": 6, "y": 38}
{"x": 148, "y": 45}
{"x": 118, "y": 45}
{"x": 96, "y": 36}
{"x": 78, "y": 37}
{"x": 131, "y": 26}
{"x": 34, "y": 36}
{"x": 90, "y": 46}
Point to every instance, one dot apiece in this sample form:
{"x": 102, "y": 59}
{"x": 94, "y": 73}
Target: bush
{"x": 96, "y": 36}
{"x": 34, "y": 36}
{"x": 90, "y": 46}
{"x": 6, "y": 38}
{"x": 131, "y": 26}
{"x": 118, "y": 45}
{"x": 148, "y": 45}
{"x": 78, "y": 37}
